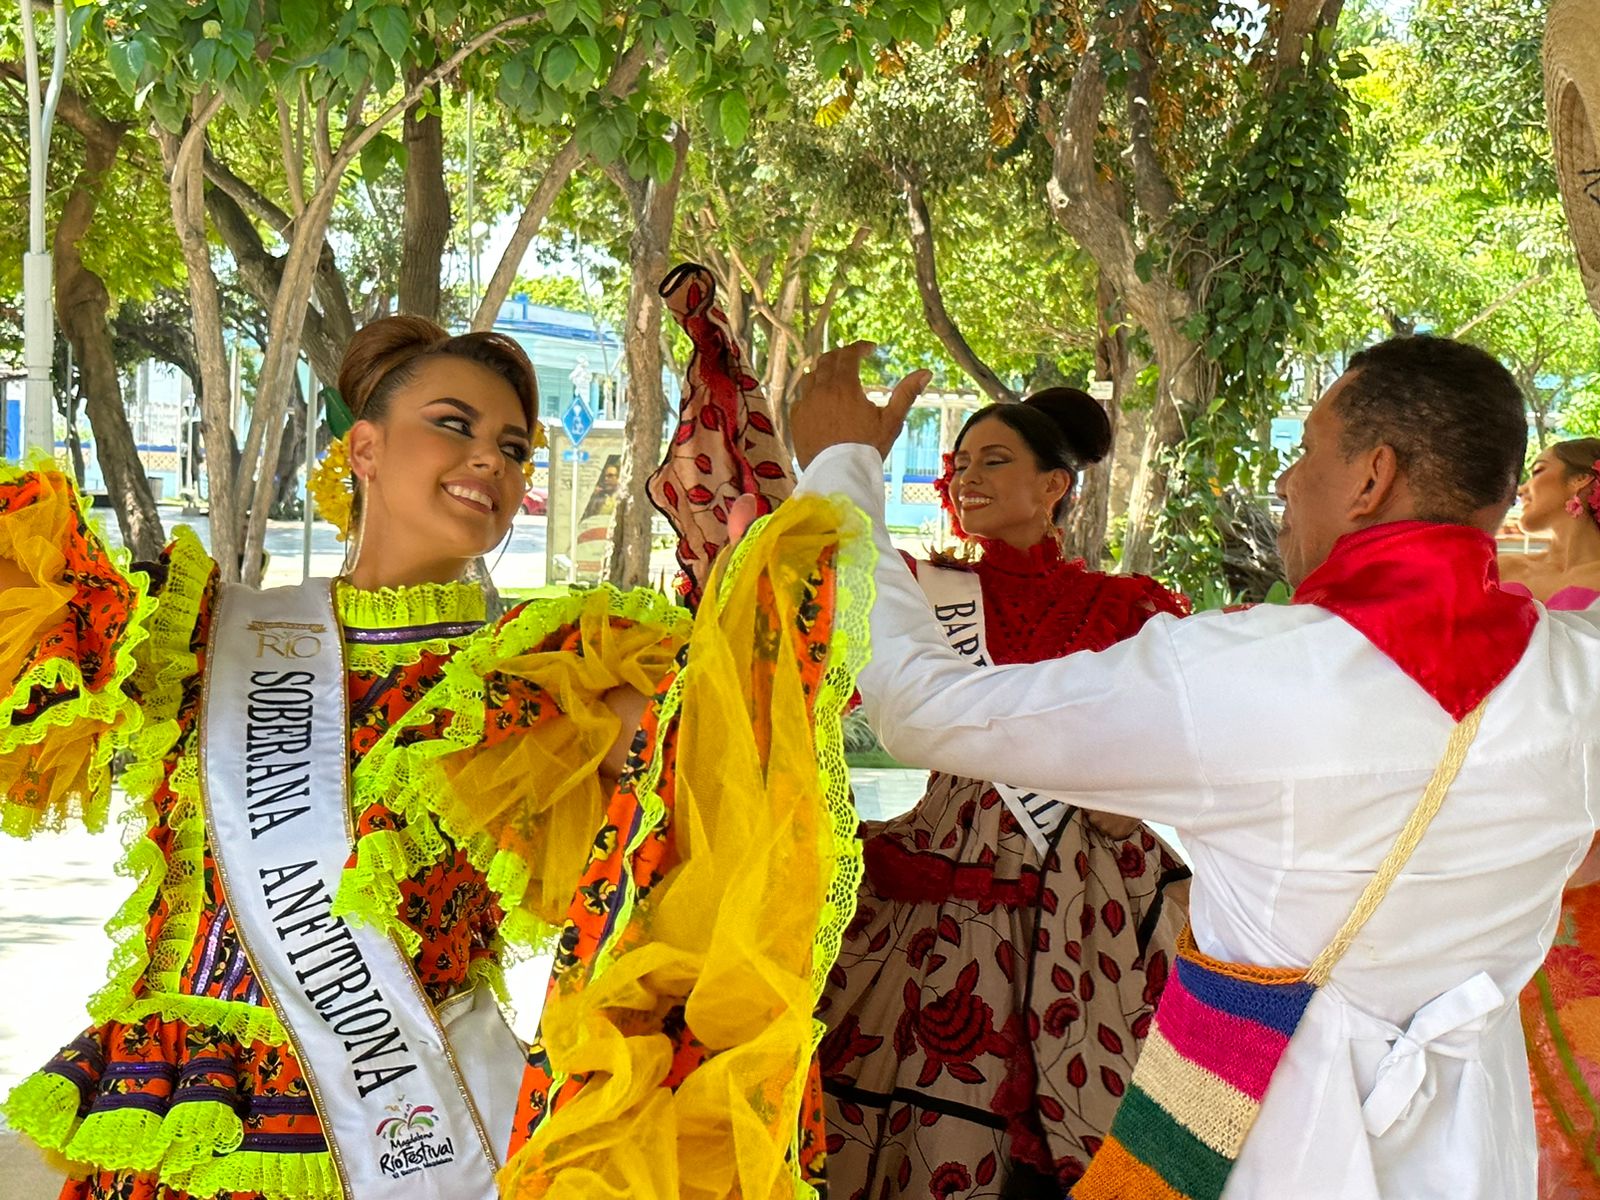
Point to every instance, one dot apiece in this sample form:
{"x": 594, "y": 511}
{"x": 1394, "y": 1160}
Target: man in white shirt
{"x": 1289, "y": 744}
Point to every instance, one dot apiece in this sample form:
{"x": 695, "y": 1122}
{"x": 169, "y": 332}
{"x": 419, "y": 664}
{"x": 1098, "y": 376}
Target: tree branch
{"x": 925, "y": 265}
{"x": 759, "y": 301}
{"x": 1502, "y": 300}
{"x": 841, "y": 275}
{"x": 293, "y": 164}
{"x": 1156, "y": 194}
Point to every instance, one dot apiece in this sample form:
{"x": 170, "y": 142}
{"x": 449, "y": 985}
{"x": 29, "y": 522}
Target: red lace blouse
{"x": 1038, "y": 605}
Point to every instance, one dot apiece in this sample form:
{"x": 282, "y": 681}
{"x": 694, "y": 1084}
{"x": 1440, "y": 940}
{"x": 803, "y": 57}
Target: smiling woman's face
{"x": 441, "y": 471}
{"x": 998, "y": 488}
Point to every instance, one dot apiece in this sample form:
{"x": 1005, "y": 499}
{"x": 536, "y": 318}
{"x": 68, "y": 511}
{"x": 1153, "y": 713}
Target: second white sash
{"x": 957, "y": 600}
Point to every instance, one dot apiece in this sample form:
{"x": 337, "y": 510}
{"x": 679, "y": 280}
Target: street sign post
{"x": 577, "y": 421}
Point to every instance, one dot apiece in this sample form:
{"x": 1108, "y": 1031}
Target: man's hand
{"x": 832, "y": 408}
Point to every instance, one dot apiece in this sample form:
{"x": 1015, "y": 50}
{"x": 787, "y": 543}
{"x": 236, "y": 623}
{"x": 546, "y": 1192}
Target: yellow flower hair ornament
{"x": 332, "y": 487}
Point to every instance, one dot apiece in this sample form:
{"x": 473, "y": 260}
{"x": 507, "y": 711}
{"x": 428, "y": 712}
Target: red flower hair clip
{"x": 1587, "y": 499}
{"x": 947, "y": 473}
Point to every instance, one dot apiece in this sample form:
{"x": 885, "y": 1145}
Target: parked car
{"x": 536, "y": 503}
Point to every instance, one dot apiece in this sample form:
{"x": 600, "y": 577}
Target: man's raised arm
{"x": 1111, "y": 730}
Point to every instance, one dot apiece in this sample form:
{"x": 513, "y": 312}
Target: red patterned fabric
{"x": 1429, "y": 597}
{"x": 726, "y": 444}
{"x": 1037, "y": 605}
{"x": 988, "y": 1004}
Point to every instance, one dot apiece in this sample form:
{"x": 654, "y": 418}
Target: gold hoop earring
{"x": 352, "y": 549}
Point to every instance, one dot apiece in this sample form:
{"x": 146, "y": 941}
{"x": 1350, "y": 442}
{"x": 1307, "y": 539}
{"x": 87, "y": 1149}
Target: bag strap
{"x": 1400, "y": 853}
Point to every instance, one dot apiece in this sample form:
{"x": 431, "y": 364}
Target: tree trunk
{"x": 1088, "y": 516}
{"x": 425, "y": 229}
{"x": 539, "y": 204}
{"x": 291, "y": 457}
{"x": 74, "y": 442}
{"x": 653, "y": 206}
{"x": 83, "y": 307}
{"x": 562, "y": 164}
{"x": 1182, "y": 389}
{"x": 939, "y": 319}
{"x": 186, "y": 188}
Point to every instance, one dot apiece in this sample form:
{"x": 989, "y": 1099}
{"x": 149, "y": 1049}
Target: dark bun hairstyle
{"x": 385, "y": 354}
{"x": 1065, "y": 428}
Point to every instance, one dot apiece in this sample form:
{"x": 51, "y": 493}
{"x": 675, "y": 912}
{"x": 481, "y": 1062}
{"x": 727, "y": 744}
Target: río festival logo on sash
{"x": 412, "y": 1141}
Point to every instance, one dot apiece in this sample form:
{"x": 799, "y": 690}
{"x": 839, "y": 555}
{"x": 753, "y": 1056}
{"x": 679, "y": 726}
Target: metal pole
{"x": 311, "y": 463}
{"x": 472, "y": 234}
{"x": 572, "y": 543}
{"x": 38, "y": 422}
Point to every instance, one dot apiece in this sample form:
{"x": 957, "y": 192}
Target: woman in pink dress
{"x": 1008, "y": 951}
{"x": 1561, "y": 1005}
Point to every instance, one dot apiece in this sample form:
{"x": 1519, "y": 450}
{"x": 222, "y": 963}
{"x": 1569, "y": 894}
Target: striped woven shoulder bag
{"x": 1219, "y": 1033}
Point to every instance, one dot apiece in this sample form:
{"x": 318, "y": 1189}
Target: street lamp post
{"x": 38, "y": 324}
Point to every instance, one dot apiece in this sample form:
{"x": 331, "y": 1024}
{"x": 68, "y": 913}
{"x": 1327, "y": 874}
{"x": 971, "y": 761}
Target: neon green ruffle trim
{"x": 410, "y": 782}
{"x": 169, "y": 661}
{"x": 393, "y": 608}
{"x": 45, "y": 1107}
{"x": 852, "y": 648}
{"x": 178, "y": 877}
{"x": 193, "y": 1148}
{"x": 109, "y": 706}
{"x": 275, "y": 1176}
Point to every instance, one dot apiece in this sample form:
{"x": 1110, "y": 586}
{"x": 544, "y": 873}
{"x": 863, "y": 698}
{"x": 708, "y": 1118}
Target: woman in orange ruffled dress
{"x": 1561, "y": 1005}
{"x": 468, "y": 818}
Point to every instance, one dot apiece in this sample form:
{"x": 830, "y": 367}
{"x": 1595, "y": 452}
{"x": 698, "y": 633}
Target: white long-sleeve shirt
{"x": 1288, "y": 751}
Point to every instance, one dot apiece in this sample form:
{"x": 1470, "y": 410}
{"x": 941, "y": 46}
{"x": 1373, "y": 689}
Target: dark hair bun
{"x": 1079, "y": 417}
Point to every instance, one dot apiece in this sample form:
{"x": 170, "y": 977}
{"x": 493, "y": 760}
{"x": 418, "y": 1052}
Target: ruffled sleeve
{"x": 68, "y": 645}
{"x": 677, "y": 1041}
{"x": 501, "y": 757}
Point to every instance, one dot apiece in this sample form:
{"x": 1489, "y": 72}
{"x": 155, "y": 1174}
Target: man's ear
{"x": 1382, "y": 479}
{"x": 365, "y": 442}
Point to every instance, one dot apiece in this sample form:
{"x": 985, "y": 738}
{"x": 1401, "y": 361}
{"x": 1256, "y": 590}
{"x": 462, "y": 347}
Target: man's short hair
{"x": 1453, "y": 415}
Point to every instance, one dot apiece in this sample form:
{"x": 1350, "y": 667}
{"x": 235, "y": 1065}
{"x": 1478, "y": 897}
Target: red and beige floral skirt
{"x": 987, "y": 1007}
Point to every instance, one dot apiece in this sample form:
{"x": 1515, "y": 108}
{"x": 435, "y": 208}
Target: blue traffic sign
{"x": 577, "y": 420}
{"x": 574, "y": 456}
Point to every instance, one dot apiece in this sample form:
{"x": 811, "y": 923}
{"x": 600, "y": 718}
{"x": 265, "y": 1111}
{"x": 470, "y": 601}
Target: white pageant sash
{"x": 957, "y": 600}
{"x": 397, "y": 1113}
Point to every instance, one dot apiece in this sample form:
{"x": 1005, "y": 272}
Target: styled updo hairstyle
{"x": 1065, "y": 429}
{"x": 386, "y": 354}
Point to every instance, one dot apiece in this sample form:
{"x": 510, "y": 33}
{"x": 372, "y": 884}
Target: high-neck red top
{"x": 1038, "y": 605}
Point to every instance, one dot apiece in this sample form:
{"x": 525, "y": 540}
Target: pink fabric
{"x": 1238, "y": 1051}
{"x": 1568, "y": 599}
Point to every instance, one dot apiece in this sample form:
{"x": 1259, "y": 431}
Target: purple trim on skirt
{"x": 202, "y": 977}
{"x": 411, "y": 633}
{"x": 286, "y": 1143}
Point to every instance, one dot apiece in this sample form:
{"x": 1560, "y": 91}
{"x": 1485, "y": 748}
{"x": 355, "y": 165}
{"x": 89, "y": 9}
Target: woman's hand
{"x": 629, "y": 706}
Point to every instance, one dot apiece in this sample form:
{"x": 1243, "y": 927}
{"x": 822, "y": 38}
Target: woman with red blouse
{"x": 1008, "y": 950}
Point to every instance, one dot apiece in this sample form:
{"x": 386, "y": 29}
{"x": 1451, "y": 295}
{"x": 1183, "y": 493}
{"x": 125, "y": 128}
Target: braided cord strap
{"x": 1394, "y": 862}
